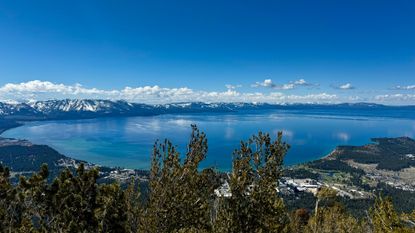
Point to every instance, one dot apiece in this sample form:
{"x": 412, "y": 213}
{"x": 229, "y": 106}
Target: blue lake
{"x": 127, "y": 142}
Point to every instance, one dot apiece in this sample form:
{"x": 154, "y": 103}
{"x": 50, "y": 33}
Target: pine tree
{"x": 111, "y": 214}
{"x": 134, "y": 207}
{"x": 32, "y": 193}
{"x": 10, "y": 213}
{"x": 254, "y": 205}
{"x": 385, "y": 219}
{"x": 334, "y": 219}
{"x": 73, "y": 201}
{"x": 179, "y": 193}
{"x": 299, "y": 220}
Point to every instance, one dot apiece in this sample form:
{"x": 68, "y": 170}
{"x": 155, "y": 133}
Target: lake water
{"x": 127, "y": 142}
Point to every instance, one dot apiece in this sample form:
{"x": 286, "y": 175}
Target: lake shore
{"x": 8, "y": 124}
{"x": 128, "y": 141}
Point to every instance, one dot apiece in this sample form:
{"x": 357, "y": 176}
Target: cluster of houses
{"x": 124, "y": 175}
{"x": 290, "y": 186}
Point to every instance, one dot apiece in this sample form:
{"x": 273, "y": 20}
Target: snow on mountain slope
{"x": 87, "y": 107}
{"x": 90, "y": 108}
{"x": 72, "y": 105}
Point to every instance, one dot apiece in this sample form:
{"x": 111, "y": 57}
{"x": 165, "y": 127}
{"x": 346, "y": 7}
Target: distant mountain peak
{"x": 92, "y": 108}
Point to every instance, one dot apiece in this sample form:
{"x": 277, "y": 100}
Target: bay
{"x": 128, "y": 142}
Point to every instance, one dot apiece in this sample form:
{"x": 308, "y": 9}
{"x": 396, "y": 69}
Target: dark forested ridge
{"x": 182, "y": 197}
{"x": 384, "y": 167}
{"x": 7, "y": 124}
{"x": 388, "y": 153}
{"x": 24, "y": 158}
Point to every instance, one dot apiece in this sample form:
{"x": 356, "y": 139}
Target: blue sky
{"x": 168, "y": 51}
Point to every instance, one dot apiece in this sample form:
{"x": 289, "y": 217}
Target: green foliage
{"x": 387, "y": 153}
{"x": 301, "y": 173}
{"x": 335, "y": 165}
{"x": 74, "y": 199}
{"x": 19, "y": 160}
{"x": 113, "y": 217}
{"x": 179, "y": 194}
{"x": 72, "y": 203}
{"x": 333, "y": 219}
{"x": 133, "y": 205}
{"x": 384, "y": 217}
{"x": 299, "y": 220}
{"x": 254, "y": 205}
{"x": 402, "y": 200}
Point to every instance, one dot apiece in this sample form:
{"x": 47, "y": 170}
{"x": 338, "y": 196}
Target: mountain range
{"x": 92, "y": 108}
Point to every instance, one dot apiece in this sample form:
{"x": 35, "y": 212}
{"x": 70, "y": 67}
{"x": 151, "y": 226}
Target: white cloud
{"x": 300, "y": 82}
{"x": 399, "y": 98}
{"x": 265, "y": 83}
{"x": 37, "y": 86}
{"x": 288, "y": 86}
{"x": 346, "y": 86}
{"x": 409, "y": 87}
{"x": 354, "y": 98}
{"x": 321, "y": 97}
{"x": 43, "y": 90}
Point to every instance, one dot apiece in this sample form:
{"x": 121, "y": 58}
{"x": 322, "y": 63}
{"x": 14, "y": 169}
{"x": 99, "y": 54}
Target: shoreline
{"x": 15, "y": 124}
{"x": 9, "y": 124}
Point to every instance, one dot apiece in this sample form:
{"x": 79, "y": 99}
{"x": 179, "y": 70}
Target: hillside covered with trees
{"x": 181, "y": 198}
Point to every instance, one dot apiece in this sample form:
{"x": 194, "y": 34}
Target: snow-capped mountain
{"x": 70, "y": 109}
{"x": 84, "y": 105}
{"x": 10, "y": 109}
{"x": 90, "y": 108}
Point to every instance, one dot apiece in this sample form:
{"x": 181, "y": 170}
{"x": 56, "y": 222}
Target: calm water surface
{"x": 127, "y": 142}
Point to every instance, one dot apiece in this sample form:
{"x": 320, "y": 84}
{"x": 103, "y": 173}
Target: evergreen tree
{"x": 254, "y": 205}
{"x": 112, "y": 213}
{"x": 74, "y": 201}
{"x": 10, "y": 208}
{"x": 299, "y": 220}
{"x": 179, "y": 193}
{"x": 133, "y": 205}
{"x": 32, "y": 194}
{"x": 334, "y": 219}
{"x": 385, "y": 219}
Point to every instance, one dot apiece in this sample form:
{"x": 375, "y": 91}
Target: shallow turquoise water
{"x": 127, "y": 142}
